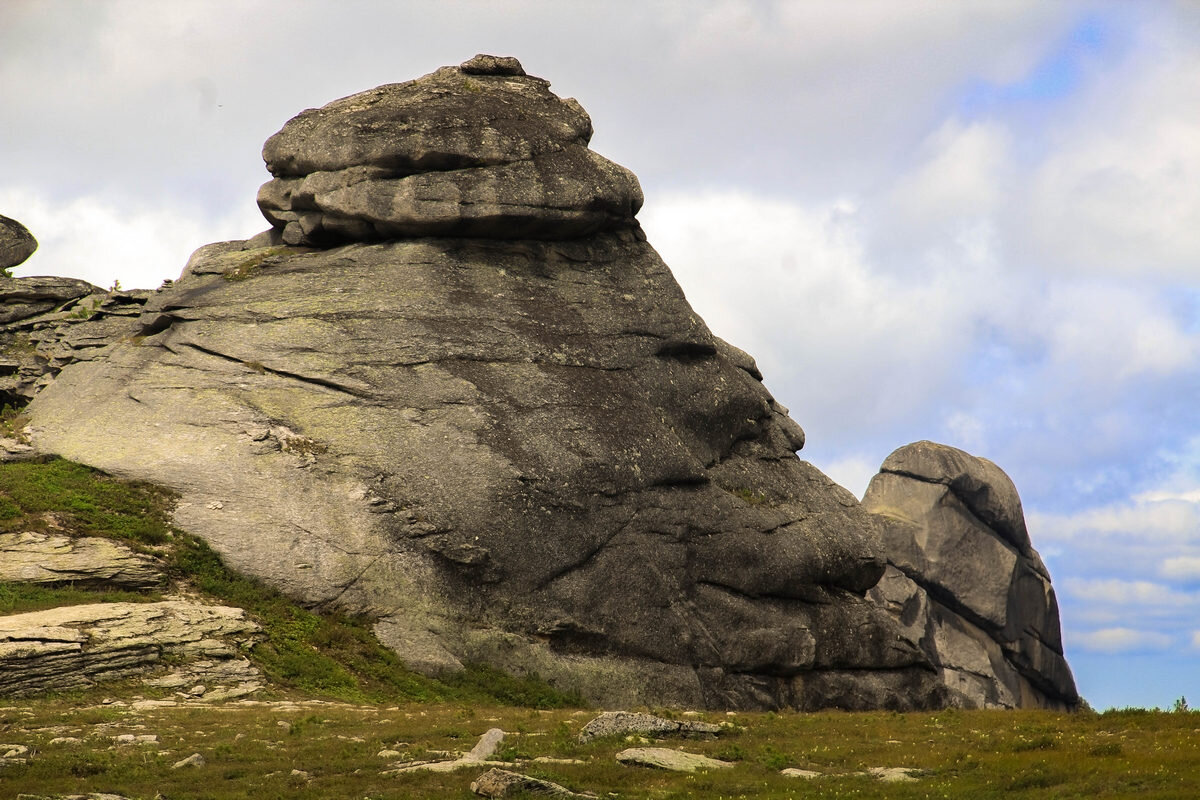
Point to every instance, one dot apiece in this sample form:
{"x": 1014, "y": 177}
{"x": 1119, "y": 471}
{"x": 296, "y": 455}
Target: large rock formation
{"x": 964, "y": 580}
{"x": 486, "y": 414}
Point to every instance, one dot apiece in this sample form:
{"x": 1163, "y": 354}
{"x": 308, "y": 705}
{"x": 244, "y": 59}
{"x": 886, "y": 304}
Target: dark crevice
{"x": 946, "y": 599}
{"x": 158, "y": 324}
{"x": 687, "y": 351}
{"x": 322, "y": 382}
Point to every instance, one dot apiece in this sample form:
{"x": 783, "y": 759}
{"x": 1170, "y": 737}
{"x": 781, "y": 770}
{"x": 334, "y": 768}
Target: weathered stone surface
{"x": 76, "y": 646}
{"x": 964, "y": 581}
{"x": 622, "y": 723}
{"x": 981, "y": 485}
{"x": 16, "y": 243}
{"x": 480, "y": 150}
{"x": 31, "y": 557}
{"x": 483, "y": 750}
{"x": 22, "y": 298}
{"x": 893, "y": 774}
{"x": 527, "y": 452}
{"x": 496, "y": 783}
{"x": 673, "y": 760}
{"x": 487, "y": 745}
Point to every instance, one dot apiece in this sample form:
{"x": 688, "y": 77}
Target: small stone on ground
{"x": 620, "y": 723}
{"x": 497, "y": 783}
{"x": 673, "y": 760}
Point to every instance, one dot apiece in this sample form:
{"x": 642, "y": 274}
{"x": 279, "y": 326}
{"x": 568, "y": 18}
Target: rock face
{"x": 16, "y": 243}
{"x": 486, "y": 414}
{"x": 964, "y": 580}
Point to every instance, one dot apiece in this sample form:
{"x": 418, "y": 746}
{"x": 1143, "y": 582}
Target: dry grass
{"x": 250, "y": 754}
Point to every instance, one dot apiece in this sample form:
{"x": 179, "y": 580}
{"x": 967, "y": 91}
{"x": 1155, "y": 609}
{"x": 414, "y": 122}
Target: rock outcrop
{"x": 964, "y": 580}
{"x": 77, "y": 646}
{"x": 16, "y": 243}
{"x": 480, "y": 150}
{"x": 47, "y": 323}
{"x": 454, "y": 387}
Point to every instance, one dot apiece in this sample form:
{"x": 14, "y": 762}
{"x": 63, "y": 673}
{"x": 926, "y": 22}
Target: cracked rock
{"x": 621, "y": 723}
{"x": 497, "y": 783}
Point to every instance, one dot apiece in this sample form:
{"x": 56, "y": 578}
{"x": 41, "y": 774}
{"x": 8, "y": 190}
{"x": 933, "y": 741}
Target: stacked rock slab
{"x": 964, "y": 580}
{"x": 454, "y": 388}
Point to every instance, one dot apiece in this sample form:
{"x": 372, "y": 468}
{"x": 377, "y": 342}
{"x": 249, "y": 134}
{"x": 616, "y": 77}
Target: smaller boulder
{"x": 671, "y": 760}
{"x": 16, "y": 243}
{"x": 497, "y": 783}
{"x": 623, "y": 723}
{"x": 964, "y": 581}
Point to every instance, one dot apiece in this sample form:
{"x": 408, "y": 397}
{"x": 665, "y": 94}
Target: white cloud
{"x": 962, "y": 177}
{"x": 102, "y": 241}
{"x": 1165, "y": 521}
{"x": 1196, "y": 640}
{"x": 1120, "y": 640}
{"x": 791, "y": 285}
{"x": 852, "y": 472}
{"x": 1181, "y": 568}
{"x": 1133, "y": 596}
{"x": 1119, "y": 190}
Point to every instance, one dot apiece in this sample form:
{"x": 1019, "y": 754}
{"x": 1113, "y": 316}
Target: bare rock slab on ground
{"x": 483, "y": 750}
{"x": 894, "y": 774}
{"x": 77, "y": 646}
{"x": 672, "y": 760}
{"x": 497, "y": 783}
{"x": 622, "y": 723}
{"x": 34, "y": 557}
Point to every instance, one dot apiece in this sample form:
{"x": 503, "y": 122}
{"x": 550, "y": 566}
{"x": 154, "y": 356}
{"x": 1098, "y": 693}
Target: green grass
{"x": 19, "y": 598}
{"x": 82, "y": 502}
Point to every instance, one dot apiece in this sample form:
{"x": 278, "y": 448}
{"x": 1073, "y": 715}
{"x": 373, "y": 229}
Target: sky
{"x": 973, "y": 222}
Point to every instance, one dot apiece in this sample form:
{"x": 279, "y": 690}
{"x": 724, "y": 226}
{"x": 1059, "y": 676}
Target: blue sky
{"x": 975, "y": 222}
